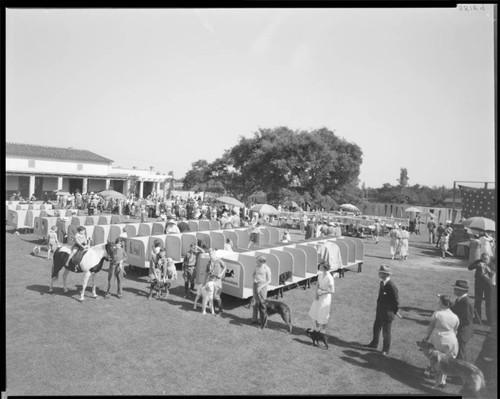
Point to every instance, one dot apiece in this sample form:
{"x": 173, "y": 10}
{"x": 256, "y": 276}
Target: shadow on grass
{"x": 420, "y": 311}
{"x": 73, "y": 293}
{"x": 396, "y": 369}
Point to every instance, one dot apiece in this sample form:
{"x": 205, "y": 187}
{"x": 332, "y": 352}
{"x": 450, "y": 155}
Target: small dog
{"x": 269, "y": 307}
{"x": 284, "y": 277}
{"x": 229, "y": 273}
{"x": 316, "y": 336}
{"x": 443, "y": 364}
{"x": 207, "y": 293}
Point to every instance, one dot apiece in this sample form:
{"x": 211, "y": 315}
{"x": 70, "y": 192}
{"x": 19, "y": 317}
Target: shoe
{"x": 255, "y": 322}
{"x": 108, "y": 295}
{"x": 370, "y": 345}
{"x": 385, "y": 353}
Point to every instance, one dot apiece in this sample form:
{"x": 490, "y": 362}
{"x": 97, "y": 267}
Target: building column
{"x": 59, "y": 183}
{"x": 141, "y": 188}
{"x": 126, "y": 187}
{"x": 85, "y": 184}
{"x": 32, "y": 186}
{"x": 108, "y": 182}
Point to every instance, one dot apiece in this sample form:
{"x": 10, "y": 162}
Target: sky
{"x": 414, "y": 88}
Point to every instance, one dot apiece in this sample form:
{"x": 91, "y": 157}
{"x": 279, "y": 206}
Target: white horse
{"x": 90, "y": 263}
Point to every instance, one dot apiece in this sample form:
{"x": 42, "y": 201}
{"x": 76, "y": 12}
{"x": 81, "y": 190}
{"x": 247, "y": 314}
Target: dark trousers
{"x": 482, "y": 289}
{"x": 385, "y": 326}
{"x": 462, "y": 349}
{"x": 189, "y": 278}
{"x": 115, "y": 270}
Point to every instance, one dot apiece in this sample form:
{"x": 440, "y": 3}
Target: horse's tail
{"x": 58, "y": 263}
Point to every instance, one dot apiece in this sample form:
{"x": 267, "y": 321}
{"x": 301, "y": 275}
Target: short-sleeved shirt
{"x": 262, "y": 274}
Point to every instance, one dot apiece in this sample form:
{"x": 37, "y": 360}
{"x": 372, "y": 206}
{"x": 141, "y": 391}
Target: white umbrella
{"x": 349, "y": 207}
{"x": 412, "y": 209}
{"x": 112, "y": 194}
{"x": 230, "y": 201}
{"x": 480, "y": 223}
{"x": 265, "y": 209}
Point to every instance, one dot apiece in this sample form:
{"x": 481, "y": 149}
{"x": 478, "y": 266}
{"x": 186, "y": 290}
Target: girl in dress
{"x": 320, "y": 308}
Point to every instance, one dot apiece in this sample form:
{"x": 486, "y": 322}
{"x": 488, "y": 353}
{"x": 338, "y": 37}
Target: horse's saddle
{"x": 74, "y": 263}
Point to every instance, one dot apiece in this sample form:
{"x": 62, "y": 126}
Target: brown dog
{"x": 443, "y": 364}
{"x": 269, "y": 307}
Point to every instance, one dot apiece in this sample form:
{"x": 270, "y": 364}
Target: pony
{"x": 89, "y": 262}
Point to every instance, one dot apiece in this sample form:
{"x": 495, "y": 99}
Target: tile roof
{"x": 39, "y": 151}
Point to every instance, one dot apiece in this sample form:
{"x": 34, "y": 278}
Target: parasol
{"x": 428, "y": 214}
{"x": 112, "y": 194}
{"x": 412, "y": 209}
{"x": 230, "y": 201}
{"x": 57, "y": 192}
{"x": 290, "y": 204}
{"x": 265, "y": 209}
{"x": 349, "y": 207}
{"x": 479, "y": 223}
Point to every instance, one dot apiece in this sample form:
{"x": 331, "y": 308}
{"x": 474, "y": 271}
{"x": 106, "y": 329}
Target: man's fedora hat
{"x": 384, "y": 269}
{"x": 462, "y": 285}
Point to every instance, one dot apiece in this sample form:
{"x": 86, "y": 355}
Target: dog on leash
{"x": 206, "y": 292}
{"x": 441, "y": 363}
{"x": 316, "y": 336}
{"x": 269, "y": 308}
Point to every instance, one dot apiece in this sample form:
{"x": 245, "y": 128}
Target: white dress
{"x": 320, "y": 309}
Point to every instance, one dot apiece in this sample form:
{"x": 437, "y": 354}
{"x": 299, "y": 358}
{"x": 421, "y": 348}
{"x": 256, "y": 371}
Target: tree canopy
{"x": 316, "y": 167}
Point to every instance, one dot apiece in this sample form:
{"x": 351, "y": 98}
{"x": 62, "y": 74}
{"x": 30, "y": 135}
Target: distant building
{"x": 448, "y": 203}
{"x": 34, "y": 169}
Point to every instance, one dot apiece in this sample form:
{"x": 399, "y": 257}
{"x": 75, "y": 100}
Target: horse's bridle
{"x": 110, "y": 246}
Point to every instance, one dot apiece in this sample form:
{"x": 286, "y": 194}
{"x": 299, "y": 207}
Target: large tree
{"x": 289, "y": 164}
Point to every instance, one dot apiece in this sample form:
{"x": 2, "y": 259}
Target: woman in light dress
{"x": 405, "y": 236}
{"x": 442, "y": 331}
{"x": 486, "y": 244}
{"x": 320, "y": 308}
{"x": 395, "y": 237}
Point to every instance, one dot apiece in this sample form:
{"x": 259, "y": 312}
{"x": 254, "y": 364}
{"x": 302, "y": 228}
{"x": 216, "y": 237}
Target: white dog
{"x": 207, "y": 293}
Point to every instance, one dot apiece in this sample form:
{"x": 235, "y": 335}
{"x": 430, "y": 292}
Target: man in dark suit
{"x": 464, "y": 309}
{"x": 387, "y": 308}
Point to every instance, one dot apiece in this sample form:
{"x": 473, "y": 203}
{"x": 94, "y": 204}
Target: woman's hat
{"x": 462, "y": 285}
{"x": 384, "y": 269}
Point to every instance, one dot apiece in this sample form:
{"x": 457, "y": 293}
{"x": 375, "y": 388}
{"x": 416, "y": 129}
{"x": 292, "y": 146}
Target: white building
{"x": 35, "y": 169}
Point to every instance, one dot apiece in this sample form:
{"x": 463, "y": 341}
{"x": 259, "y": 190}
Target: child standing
{"x": 53, "y": 241}
{"x": 160, "y": 275}
{"x": 444, "y": 243}
{"x": 171, "y": 274}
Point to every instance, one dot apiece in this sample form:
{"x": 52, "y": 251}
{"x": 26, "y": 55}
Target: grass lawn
{"x": 56, "y": 345}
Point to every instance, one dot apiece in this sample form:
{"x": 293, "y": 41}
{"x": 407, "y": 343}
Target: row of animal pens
{"x": 291, "y": 264}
